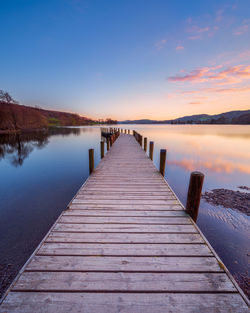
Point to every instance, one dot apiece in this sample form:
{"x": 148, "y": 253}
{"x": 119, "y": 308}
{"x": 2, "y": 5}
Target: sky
{"x": 127, "y": 59}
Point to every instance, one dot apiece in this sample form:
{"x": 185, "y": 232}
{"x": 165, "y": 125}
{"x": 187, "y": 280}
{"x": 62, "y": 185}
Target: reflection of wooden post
{"x": 108, "y": 143}
{"x": 145, "y": 144}
{"x": 194, "y": 194}
{"x": 102, "y": 149}
{"x": 163, "y": 154}
{"x": 91, "y": 161}
{"x": 151, "y": 150}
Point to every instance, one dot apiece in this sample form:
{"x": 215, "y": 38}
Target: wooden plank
{"x": 123, "y": 197}
{"x": 124, "y": 238}
{"x": 124, "y": 249}
{"x": 124, "y": 228}
{"x": 124, "y": 193}
{"x": 156, "y": 282}
{"x": 127, "y": 202}
{"x": 123, "y": 213}
{"x": 51, "y": 302}
{"x": 124, "y": 264}
{"x": 125, "y": 207}
{"x": 125, "y": 220}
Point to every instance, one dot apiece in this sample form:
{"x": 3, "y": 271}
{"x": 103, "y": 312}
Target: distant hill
{"x": 15, "y": 117}
{"x": 232, "y": 117}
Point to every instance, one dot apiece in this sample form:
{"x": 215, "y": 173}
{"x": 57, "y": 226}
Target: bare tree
{"x": 6, "y": 97}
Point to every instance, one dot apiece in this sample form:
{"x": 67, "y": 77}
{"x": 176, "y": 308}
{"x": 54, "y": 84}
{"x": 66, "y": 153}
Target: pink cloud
{"x": 241, "y": 30}
{"x": 160, "y": 44}
{"x": 179, "y": 47}
{"x": 230, "y": 75}
{"x": 197, "y": 29}
{"x": 245, "y": 55}
{"x": 194, "y": 37}
{"x": 219, "y": 15}
{"x": 216, "y": 90}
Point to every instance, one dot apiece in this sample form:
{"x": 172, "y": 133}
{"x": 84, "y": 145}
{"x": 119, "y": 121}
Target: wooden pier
{"x": 125, "y": 244}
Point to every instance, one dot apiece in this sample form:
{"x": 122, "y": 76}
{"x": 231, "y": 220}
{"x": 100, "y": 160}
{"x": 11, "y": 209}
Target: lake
{"x": 41, "y": 172}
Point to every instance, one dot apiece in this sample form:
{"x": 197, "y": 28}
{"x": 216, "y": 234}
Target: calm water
{"x": 40, "y": 173}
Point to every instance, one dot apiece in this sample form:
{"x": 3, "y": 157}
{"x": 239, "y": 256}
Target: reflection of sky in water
{"x": 222, "y": 153}
{"x": 42, "y": 173}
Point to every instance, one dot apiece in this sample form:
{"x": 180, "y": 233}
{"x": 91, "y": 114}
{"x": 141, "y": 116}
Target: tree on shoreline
{"x": 6, "y": 97}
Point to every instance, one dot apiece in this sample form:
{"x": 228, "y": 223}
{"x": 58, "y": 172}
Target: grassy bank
{"x": 15, "y": 117}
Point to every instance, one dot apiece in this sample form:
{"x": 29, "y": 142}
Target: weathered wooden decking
{"x": 124, "y": 245}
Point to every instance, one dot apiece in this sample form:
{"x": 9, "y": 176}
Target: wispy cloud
{"x": 194, "y": 37}
{"x": 160, "y": 44}
{"x": 242, "y": 29}
{"x": 195, "y": 102}
{"x": 195, "y": 29}
{"x": 230, "y": 75}
{"x": 216, "y": 90}
{"x": 179, "y": 47}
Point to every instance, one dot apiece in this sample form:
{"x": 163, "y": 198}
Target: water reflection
{"x": 48, "y": 170}
{"x": 216, "y": 166}
{"x": 17, "y": 147}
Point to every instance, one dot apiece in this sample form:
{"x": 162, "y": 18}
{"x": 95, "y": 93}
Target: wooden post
{"x": 163, "y": 154}
{"x": 125, "y": 131}
{"x": 108, "y": 143}
{"x": 194, "y": 194}
{"x": 145, "y": 144}
{"x": 91, "y": 161}
{"x": 102, "y": 149}
{"x": 129, "y": 131}
{"x": 151, "y": 150}
{"x": 140, "y": 138}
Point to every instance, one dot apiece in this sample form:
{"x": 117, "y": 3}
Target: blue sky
{"x": 127, "y": 59}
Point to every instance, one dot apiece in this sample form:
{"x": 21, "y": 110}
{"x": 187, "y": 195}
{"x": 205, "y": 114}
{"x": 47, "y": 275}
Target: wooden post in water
{"x": 91, "y": 161}
{"x": 102, "y": 149}
{"x": 194, "y": 194}
{"x": 151, "y": 150}
{"x": 163, "y": 154}
{"x": 108, "y": 143}
{"x": 145, "y": 144}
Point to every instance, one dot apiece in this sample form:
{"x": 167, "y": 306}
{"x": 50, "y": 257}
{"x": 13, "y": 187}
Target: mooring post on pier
{"x": 91, "y": 161}
{"x": 102, "y": 149}
{"x": 194, "y": 194}
{"x": 145, "y": 144}
{"x": 129, "y": 131}
{"x": 151, "y": 150}
{"x": 140, "y": 140}
{"x": 163, "y": 154}
{"x": 108, "y": 143}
